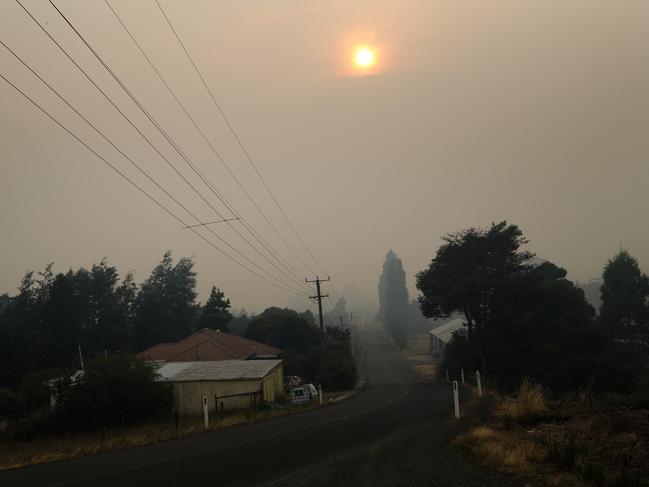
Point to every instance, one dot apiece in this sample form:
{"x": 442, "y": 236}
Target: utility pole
{"x": 319, "y": 297}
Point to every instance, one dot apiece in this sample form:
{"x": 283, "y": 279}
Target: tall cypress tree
{"x": 393, "y": 299}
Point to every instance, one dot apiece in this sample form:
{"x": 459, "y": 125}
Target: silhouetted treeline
{"x": 527, "y": 319}
{"x": 54, "y": 314}
{"x": 298, "y": 336}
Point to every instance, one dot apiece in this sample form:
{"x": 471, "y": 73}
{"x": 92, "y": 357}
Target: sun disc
{"x": 364, "y": 57}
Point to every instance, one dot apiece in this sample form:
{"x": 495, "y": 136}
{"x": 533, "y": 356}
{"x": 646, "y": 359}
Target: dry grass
{"x": 20, "y": 454}
{"x": 502, "y": 450}
{"x": 530, "y": 403}
{"x": 496, "y": 439}
{"x": 559, "y": 444}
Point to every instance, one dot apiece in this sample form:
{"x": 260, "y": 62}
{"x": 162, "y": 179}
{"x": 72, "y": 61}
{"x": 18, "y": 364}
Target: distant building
{"x": 227, "y": 384}
{"x": 231, "y": 371}
{"x": 441, "y": 335}
{"x": 209, "y": 345}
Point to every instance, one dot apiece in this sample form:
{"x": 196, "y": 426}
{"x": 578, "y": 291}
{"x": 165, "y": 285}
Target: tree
{"x": 467, "y": 272}
{"x": 239, "y": 323}
{"x": 215, "y": 314}
{"x": 61, "y": 325}
{"x": 296, "y": 334}
{"x": 285, "y": 329}
{"x": 339, "y": 310}
{"x": 106, "y": 307}
{"x": 625, "y": 299}
{"x": 339, "y": 370}
{"x": 166, "y": 303}
{"x": 22, "y": 331}
{"x": 543, "y": 327}
{"x": 394, "y": 310}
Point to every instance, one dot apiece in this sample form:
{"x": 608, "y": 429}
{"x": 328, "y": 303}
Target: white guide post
{"x": 462, "y": 372}
{"x": 456, "y": 399}
{"x": 206, "y": 413}
{"x": 479, "y": 382}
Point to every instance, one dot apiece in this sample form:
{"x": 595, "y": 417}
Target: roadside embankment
{"x": 558, "y": 442}
{"x": 15, "y": 454}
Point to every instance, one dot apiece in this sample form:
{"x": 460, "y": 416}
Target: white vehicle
{"x": 303, "y": 394}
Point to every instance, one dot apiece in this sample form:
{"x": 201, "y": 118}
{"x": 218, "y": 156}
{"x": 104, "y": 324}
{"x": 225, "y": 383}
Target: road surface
{"x": 392, "y": 433}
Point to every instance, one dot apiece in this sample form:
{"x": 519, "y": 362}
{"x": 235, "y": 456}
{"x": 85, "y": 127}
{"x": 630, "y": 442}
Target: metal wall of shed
{"x": 231, "y": 394}
{"x": 273, "y": 384}
{"x": 234, "y": 394}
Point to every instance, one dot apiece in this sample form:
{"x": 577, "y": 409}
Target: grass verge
{"x": 558, "y": 442}
{"x": 15, "y": 454}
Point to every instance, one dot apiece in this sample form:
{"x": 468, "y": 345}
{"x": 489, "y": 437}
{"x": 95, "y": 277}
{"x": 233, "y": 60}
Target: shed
{"x": 227, "y": 384}
{"x": 441, "y": 335}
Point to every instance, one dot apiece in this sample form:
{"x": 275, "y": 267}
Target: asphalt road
{"x": 392, "y": 433}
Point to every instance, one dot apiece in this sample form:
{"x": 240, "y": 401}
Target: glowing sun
{"x": 364, "y": 57}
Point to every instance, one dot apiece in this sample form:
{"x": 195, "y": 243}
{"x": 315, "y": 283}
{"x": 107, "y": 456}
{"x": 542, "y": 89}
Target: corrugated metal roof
{"x": 445, "y": 331}
{"x": 216, "y": 370}
{"x": 169, "y": 370}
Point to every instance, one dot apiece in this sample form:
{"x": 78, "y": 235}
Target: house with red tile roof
{"x": 209, "y": 345}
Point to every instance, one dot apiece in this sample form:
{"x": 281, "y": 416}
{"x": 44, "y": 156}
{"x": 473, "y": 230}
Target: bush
{"x": 11, "y": 403}
{"x": 38, "y": 425}
{"x": 35, "y": 391}
{"x": 114, "y": 390}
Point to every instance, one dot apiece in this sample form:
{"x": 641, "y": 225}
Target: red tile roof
{"x": 209, "y": 345}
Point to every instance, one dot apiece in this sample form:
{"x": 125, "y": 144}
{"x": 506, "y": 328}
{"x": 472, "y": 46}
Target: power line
{"x": 243, "y": 148}
{"x": 147, "y": 140}
{"x": 259, "y": 239}
{"x": 135, "y": 185}
{"x": 208, "y": 223}
{"x": 169, "y": 163}
{"x": 178, "y": 150}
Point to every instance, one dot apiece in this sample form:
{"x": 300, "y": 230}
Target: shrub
{"x": 113, "y": 390}
{"x": 38, "y": 425}
{"x": 11, "y": 403}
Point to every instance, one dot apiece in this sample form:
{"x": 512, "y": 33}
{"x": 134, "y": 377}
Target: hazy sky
{"x": 536, "y": 112}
